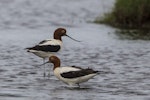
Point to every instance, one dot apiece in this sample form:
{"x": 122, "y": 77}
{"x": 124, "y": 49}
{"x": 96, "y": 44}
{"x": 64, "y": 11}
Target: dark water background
{"x": 125, "y": 63}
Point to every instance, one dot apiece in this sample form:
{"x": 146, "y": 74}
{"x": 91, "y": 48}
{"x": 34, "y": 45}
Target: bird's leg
{"x": 44, "y": 67}
{"x": 78, "y": 85}
{"x": 49, "y": 71}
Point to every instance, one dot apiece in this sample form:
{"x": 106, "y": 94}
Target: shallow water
{"x": 124, "y": 64}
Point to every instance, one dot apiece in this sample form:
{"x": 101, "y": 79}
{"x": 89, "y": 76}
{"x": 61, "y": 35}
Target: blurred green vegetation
{"x": 129, "y": 14}
{"x": 133, "y": 34}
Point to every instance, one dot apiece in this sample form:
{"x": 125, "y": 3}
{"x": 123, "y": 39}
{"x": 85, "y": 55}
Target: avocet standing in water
{"x": 71, "y": 75}
{"x": 47, "y": 48}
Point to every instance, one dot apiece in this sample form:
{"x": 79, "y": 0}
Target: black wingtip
{"x": 92, "y": 71}
{"x": 98, "y": 72}
{"x": 28, "y": 49}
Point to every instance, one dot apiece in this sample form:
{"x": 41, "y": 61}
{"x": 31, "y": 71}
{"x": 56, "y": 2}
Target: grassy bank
{"x": 129, "y": 14}
{"x": 133, "y": 16}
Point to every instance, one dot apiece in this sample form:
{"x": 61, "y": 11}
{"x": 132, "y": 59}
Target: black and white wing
{"x": 47, "y": 46}
{"x": 77, "y": 73}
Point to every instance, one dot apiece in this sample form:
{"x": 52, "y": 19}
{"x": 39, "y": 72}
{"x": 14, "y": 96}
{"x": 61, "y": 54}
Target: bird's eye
{"x": 63, "y": 31}
{"x": 52, "y": 58}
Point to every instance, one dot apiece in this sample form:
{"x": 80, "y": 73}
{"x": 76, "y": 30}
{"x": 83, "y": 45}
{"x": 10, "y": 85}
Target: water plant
{"x": 129, "y": 14}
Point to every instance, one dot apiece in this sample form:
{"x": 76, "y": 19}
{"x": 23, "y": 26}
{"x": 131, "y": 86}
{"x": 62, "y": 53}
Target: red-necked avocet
{"x": 71, "y": 75}
{"x": 47, "y": 48}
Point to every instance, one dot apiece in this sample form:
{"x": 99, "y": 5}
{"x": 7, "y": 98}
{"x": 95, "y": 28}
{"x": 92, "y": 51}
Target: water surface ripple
{"x": 124, "y": 64}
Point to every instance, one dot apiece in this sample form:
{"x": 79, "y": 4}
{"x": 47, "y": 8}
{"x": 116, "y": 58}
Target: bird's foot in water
{"x": 48, "y": 75}
{"x": 44, "y": 75}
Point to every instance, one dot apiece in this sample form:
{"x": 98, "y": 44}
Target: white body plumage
{"x": 50, "y": 46}
{"x": 72, "y": 81}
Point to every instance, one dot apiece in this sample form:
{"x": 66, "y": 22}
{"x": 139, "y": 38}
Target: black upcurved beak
{"x": 44, "y": 63}
{"x": 73, "y": 38}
